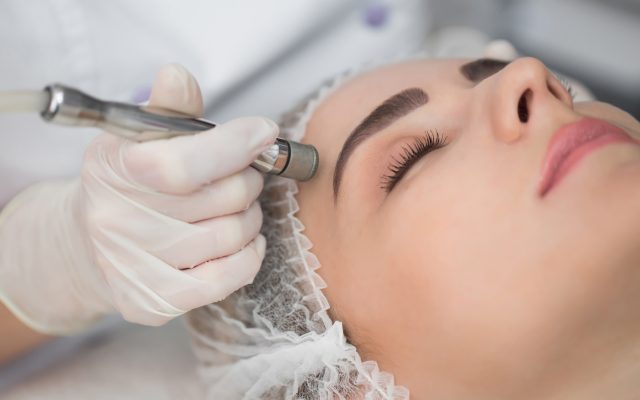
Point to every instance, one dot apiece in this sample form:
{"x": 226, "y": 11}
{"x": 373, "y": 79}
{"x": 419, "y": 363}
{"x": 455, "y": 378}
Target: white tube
{"x": 23, "y": 101}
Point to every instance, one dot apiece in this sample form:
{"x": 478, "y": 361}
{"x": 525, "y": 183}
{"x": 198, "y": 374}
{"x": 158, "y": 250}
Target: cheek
{"x": 481, "y": 274}
{"x": 611, "y": 113}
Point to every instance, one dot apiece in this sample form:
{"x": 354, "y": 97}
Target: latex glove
{"x": 151, "y": 230}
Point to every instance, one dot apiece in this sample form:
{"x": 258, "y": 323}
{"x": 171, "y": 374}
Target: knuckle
{"x": 256, "y": 214}
{"x": 238, "y": 230}
{"x": 244, "y": 188}
{"x": 225, "y": 237}
{"x": 254, "y": 262}
{"x": 161, "y": 169}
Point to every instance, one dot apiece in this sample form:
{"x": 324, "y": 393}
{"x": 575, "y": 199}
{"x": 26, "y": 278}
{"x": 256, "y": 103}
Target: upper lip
{"x": 571, "y": 137}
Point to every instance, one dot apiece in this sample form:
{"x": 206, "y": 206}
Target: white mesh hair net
{"x": 274, "y": 338}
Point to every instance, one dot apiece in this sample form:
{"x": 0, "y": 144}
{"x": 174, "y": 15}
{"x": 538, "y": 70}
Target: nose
{"x": 522, "y": 91}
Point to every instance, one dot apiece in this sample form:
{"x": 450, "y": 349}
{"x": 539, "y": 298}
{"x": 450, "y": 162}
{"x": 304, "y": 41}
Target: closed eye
{"x": 411, "y": 153}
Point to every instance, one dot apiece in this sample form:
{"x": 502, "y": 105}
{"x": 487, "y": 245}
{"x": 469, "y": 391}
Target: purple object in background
{"x": 376, "y": 15}
{"x": 141, "y": 94}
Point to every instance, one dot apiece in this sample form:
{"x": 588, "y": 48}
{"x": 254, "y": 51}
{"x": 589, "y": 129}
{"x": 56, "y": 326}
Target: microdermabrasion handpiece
{"x": 70, "y": 106}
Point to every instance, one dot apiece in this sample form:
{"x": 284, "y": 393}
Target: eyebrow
{"x": 482, "y": 68}
{"x": 391, "y": 110}
{"x": 399, "y": 105}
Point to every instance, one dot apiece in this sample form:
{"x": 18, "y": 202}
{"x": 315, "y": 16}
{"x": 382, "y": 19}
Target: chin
{"x": 602, "y": 208}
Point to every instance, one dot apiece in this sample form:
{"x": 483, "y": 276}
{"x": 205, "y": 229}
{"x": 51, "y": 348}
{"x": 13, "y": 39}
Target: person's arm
{"x": 150, "y": 230}
{"x": 15, "y": 337}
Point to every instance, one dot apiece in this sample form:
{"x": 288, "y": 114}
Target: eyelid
{"x": 568, "y": 87}
{"x": 411, "y": 153}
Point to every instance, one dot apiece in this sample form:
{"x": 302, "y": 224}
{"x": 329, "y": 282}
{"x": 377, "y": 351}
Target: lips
{"x": 572, "y": 143}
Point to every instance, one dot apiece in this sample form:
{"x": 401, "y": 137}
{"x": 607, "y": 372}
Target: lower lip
{"x": 608, "y": 134}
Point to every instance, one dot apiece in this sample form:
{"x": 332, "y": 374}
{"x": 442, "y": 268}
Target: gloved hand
{"x": 151, "y": 230}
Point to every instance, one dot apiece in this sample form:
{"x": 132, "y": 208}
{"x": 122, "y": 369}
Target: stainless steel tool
{"x": 69, "y": 106}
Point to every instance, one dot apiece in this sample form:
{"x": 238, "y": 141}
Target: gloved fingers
{"x": 184, "y": 164}
{"x": 174, "y": 88}
{"x": 229, "y": 195}
{"x": 224, "y": 276}
{"x": 216, "y": 238}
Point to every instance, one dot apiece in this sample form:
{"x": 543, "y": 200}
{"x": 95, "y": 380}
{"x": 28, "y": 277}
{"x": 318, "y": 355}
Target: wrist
{"x": 47, "y": 274}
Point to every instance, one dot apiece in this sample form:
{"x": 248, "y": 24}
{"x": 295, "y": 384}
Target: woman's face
{"x": 461, "y": 273}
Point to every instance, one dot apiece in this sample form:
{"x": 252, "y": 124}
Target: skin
{"x": 463, "y": 282}
{"x": 17, "y": 338}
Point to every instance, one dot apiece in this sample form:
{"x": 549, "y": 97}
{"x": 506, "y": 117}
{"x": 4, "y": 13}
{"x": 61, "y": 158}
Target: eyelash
{"x": 568, "y": 87}
{"x": 411, "y": 153}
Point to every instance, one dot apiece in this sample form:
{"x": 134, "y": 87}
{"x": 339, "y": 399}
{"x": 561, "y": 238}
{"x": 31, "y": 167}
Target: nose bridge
{"x": 513, "y": 93}
{"x": 528, "y": 71}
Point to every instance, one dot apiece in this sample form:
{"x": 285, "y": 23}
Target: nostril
{"x": 523, "y": 106}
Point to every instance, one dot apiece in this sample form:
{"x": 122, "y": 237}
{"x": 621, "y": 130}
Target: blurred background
{"x": 595, "y": 41}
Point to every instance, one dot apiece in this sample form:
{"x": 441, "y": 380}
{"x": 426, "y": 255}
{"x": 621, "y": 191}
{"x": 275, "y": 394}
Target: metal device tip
{"x": 303, "y": 162}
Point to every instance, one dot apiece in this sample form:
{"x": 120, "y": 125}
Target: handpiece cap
{"x": 303, "y": 162}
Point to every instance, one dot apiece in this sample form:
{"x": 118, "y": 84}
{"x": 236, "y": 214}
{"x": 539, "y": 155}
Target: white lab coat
{"x": 250, "y": 57}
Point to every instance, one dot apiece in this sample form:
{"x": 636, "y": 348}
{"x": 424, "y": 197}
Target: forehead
{"x": 343, "y": 110}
